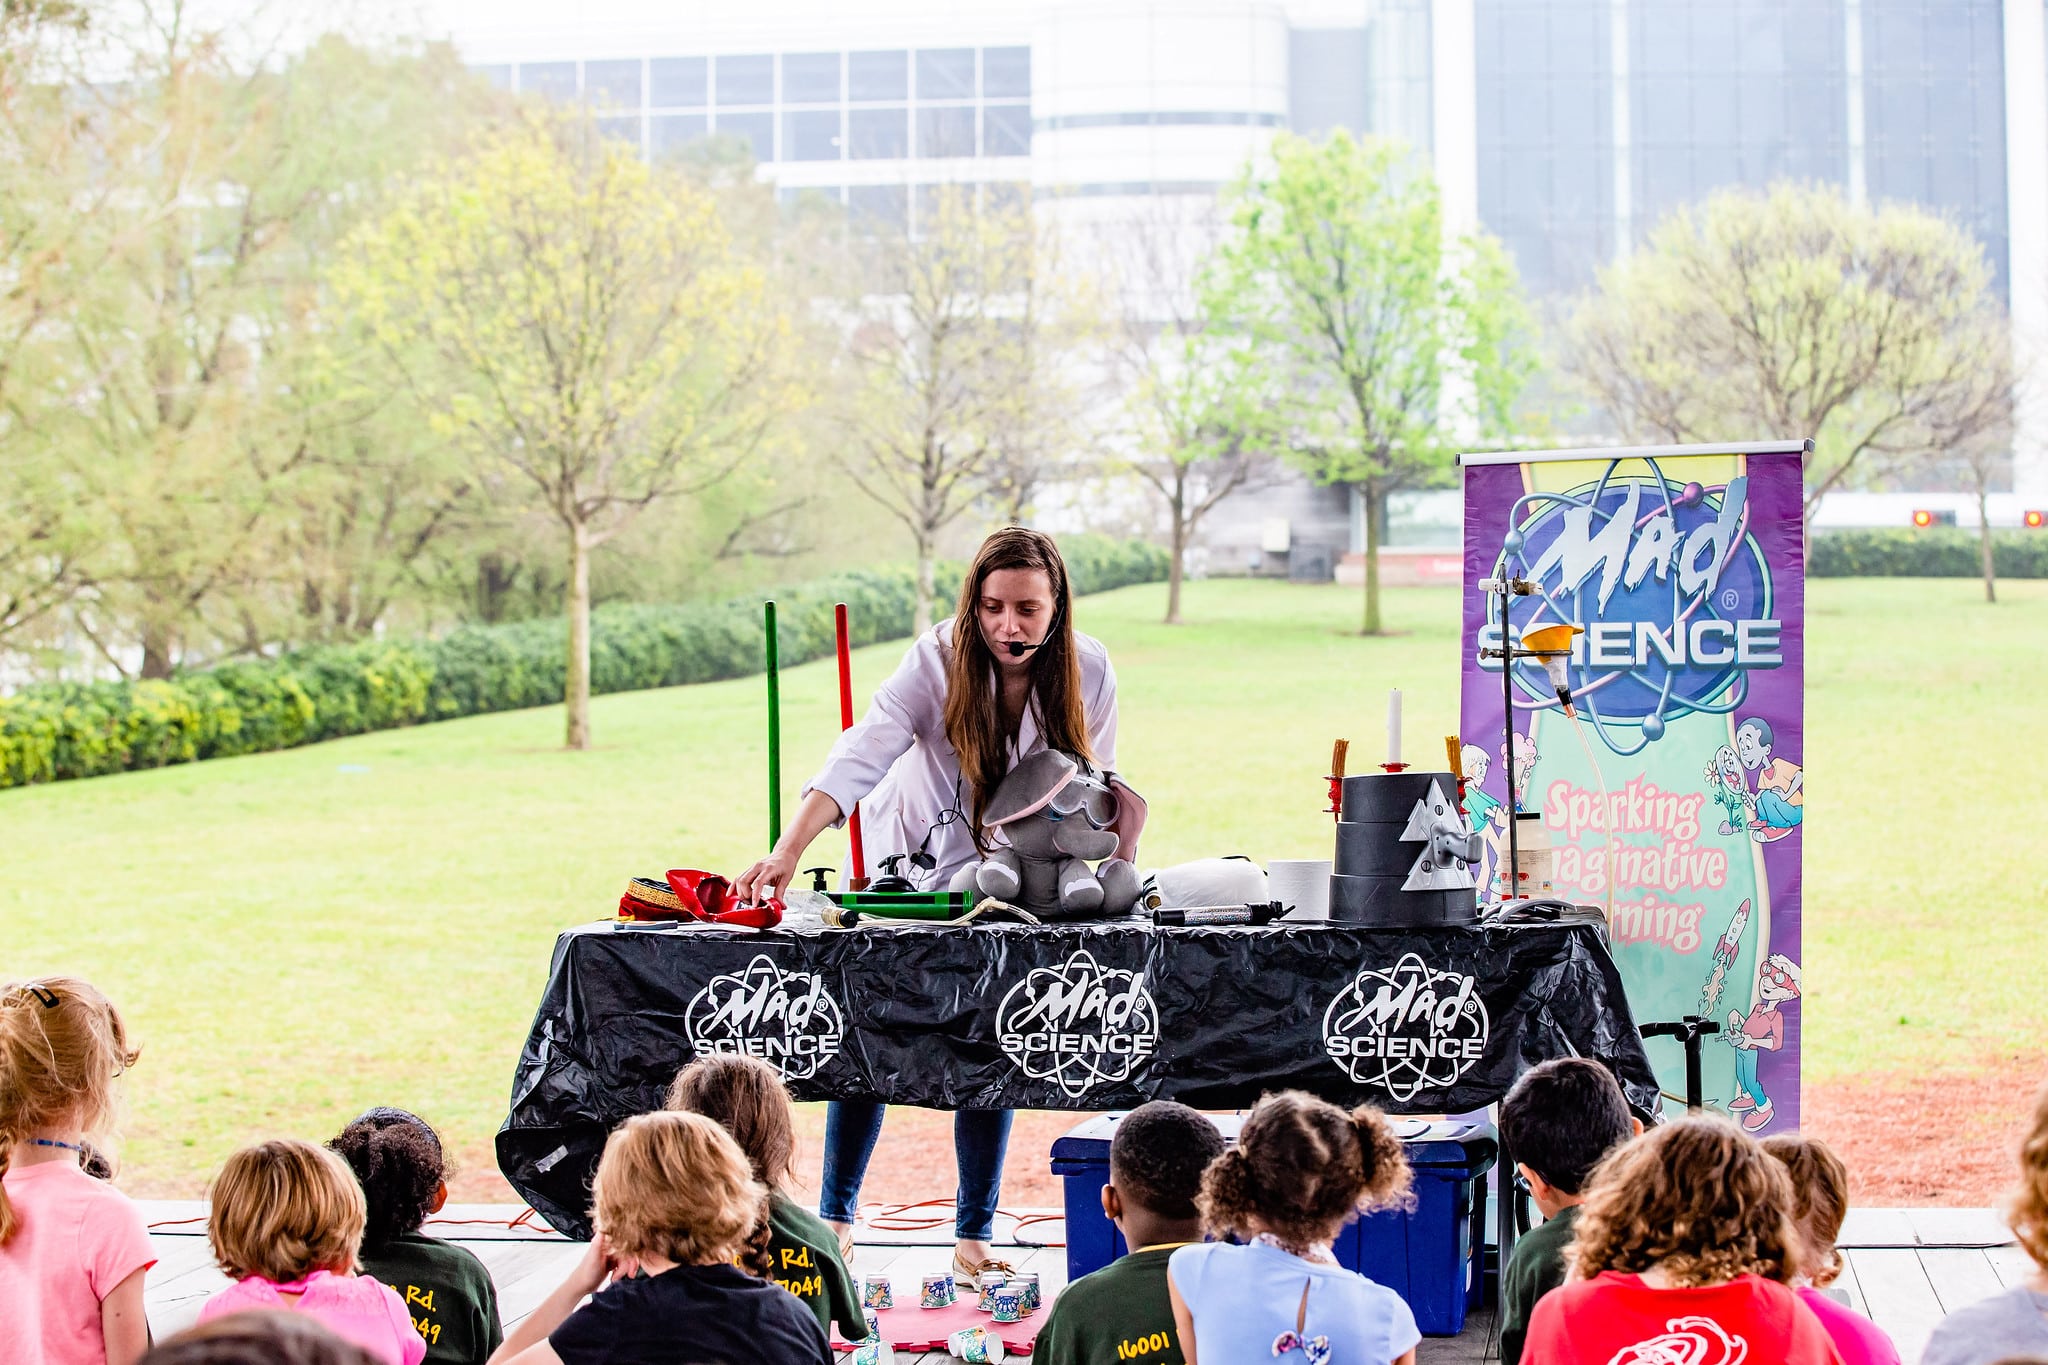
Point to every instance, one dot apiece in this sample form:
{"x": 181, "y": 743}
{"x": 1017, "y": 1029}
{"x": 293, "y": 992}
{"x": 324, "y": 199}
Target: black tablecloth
{"x": 1083, "y": 1016}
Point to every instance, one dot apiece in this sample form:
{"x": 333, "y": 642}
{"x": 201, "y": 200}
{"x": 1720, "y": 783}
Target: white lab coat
{"x": 897, "y": 764}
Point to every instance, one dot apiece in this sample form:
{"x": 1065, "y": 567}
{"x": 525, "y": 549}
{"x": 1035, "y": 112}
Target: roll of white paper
{"x": 1302, "y": 885}
{"x": 1394, "y": 726}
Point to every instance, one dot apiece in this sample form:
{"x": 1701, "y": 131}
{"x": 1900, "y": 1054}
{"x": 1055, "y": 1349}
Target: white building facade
{"x": 1565, "y": 127}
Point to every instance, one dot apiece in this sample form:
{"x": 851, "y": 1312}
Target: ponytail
{"x": 1383, "y": 1173}
{"x": 1228, "y": 1201}
{"x": 754, "y": 1255}
{"x": 1303, "y": 1168}
{"x": 62, "y": 1046}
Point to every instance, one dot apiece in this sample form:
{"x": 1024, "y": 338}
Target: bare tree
{"x": 1794, "y": 313}
{"x": 1199, "y": 425}
{"x": 956, "y": 368}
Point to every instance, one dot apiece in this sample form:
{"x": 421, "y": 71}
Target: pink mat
{"x": 910, "y": 1328}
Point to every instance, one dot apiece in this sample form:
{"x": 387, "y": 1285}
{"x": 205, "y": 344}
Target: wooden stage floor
{"x": 1907, "y": 1267}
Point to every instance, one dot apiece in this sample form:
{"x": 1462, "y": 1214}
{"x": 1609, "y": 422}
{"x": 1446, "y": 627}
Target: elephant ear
{"x": 1031, "y": 785}
{"x": 1131, "y": 809}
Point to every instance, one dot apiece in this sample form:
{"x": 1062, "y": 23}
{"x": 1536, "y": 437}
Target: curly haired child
{"x": 286, "y": 1224}
{"x": 73, "y": 1250}
{"x": 1683, "y": 1251}
{"x": 2014, "y": 1323}
{"x": 1301, "y": 1170}
{"x": 746, "y": 1097}
{"x": 676, "y": 1205}
{"x": 1820, "y": 1201}
{"x": 398, "y": 1161}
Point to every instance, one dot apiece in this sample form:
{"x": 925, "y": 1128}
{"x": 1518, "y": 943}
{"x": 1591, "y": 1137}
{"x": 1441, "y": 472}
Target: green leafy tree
{"x": 1793, "y": 313}
{"x": 593, "y": 332}
{"x": 1387, "y": 344}
{"x": 191, "y": 368}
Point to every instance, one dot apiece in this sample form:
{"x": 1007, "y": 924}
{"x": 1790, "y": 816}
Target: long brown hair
{"x": 61, "y": 1047}
{"x": 974, "y": 720}
{"x": 1303, "y": 1168}
{"x": 1820, "y": 1200}
{"x": 748, "y": 1099}
{"x": 1696, "y": 1197}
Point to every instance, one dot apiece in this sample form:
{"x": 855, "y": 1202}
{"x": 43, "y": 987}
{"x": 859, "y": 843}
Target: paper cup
{"x": 1300, "y": 884}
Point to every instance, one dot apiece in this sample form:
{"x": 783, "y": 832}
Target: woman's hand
{"x": 766, "y": 878}
{"x": 773, "y": 873}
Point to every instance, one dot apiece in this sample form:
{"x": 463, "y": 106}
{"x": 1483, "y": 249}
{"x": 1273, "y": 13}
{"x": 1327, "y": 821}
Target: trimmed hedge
{"x": 51, "y": 733}
{"x": 1935, "y": 552}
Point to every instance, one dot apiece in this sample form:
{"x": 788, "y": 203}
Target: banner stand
{"x": 1676, "y": 796}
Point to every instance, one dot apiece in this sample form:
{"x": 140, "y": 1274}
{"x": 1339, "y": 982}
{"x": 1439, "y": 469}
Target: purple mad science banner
{"x": 1675, "y": 799}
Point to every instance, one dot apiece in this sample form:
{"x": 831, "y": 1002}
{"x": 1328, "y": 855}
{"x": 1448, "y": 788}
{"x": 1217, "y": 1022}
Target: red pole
{"x": 860, "y": 867}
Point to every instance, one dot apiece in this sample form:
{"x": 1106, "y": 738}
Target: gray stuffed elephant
{"x": 1057, "y": 817}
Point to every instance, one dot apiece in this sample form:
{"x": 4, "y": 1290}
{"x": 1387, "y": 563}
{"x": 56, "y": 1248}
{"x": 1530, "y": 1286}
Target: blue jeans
{"x": 1745, "y": 1077}
{"x": 980, "y": 1137}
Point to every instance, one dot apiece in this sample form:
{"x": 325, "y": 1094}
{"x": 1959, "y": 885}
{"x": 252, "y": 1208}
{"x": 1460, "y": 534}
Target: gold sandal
{"x": 969, "y": 1274}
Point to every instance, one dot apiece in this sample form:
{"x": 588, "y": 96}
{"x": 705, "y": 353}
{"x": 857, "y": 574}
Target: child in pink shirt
{"x": 73, "y": 1250}
{"x": 1820, "y": 1201}
{"x": 286, "y": 1223}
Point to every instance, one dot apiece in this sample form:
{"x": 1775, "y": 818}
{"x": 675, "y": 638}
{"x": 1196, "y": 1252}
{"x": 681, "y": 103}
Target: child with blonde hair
{"x": 1302, "y": 1168}
{"x": 748, "y": 1099}
{"x": 2014, "y": 1323}
{"x": 676, "y": 1205}
{"x": 73, "y": 1250}
{"x": 286, "y": 1224}
{"x": 1820, "y": 1201}
{"x": 1683, "y": 1251}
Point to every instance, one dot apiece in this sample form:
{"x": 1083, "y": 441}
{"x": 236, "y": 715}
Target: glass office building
{"x": 1568, "y": 128}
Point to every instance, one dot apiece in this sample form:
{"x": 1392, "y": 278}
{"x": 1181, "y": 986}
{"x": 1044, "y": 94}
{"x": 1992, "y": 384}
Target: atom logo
{"x": 1406, "y": 1030}
{"x": 1078, "y": 1024}
{"x": 1672, "y": 586}
{"x": 787, "y": 1019}
{"x": 1686, "y": 1341}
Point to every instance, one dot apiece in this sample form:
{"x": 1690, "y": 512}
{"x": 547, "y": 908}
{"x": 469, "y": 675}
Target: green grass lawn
{"x": 295, "y": 936}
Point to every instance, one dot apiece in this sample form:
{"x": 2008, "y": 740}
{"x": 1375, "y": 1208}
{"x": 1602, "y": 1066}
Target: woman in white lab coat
{"x": 1007, "y": 675}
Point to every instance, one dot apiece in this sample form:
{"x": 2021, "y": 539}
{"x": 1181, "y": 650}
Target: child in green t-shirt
{"x": 397, "y": 1158}
{"x": 1558, "y": 1121}
{"x": 746, "y": 1097}
{"x": 1122, "y": 1312}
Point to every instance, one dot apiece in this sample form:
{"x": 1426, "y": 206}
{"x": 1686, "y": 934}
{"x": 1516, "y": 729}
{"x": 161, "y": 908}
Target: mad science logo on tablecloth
{"x": 1671, "y": 587}
{"x": 787, "y": 1019}
{"x": 1078, "y": 1024}
{"x": 1406, "y": 1030}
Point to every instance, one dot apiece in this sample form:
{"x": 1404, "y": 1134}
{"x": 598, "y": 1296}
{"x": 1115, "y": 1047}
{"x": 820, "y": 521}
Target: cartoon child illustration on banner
{"x": 1780, "y": 784}
{"x": 1482, "y": 813}
{"x": 1777, "y": 982}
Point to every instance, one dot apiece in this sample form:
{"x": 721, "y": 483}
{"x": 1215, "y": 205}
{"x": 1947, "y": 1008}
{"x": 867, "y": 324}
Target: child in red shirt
{"x": 1682, "y": 1253}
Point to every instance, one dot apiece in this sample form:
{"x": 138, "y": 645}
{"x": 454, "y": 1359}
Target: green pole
{"x": 774, "y": 736}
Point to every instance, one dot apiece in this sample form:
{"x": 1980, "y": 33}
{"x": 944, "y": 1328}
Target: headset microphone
{"x": 1018, "y": 649}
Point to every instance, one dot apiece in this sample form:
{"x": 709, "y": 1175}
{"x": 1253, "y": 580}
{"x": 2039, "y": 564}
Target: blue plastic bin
{"x": 1431, "y": 1255}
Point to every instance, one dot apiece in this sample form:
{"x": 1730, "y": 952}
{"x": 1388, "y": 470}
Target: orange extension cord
{"x": 878, "y": 1216}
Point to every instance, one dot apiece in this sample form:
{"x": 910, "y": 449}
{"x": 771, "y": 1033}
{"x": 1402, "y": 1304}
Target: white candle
{"x": 1394, "y": 726}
